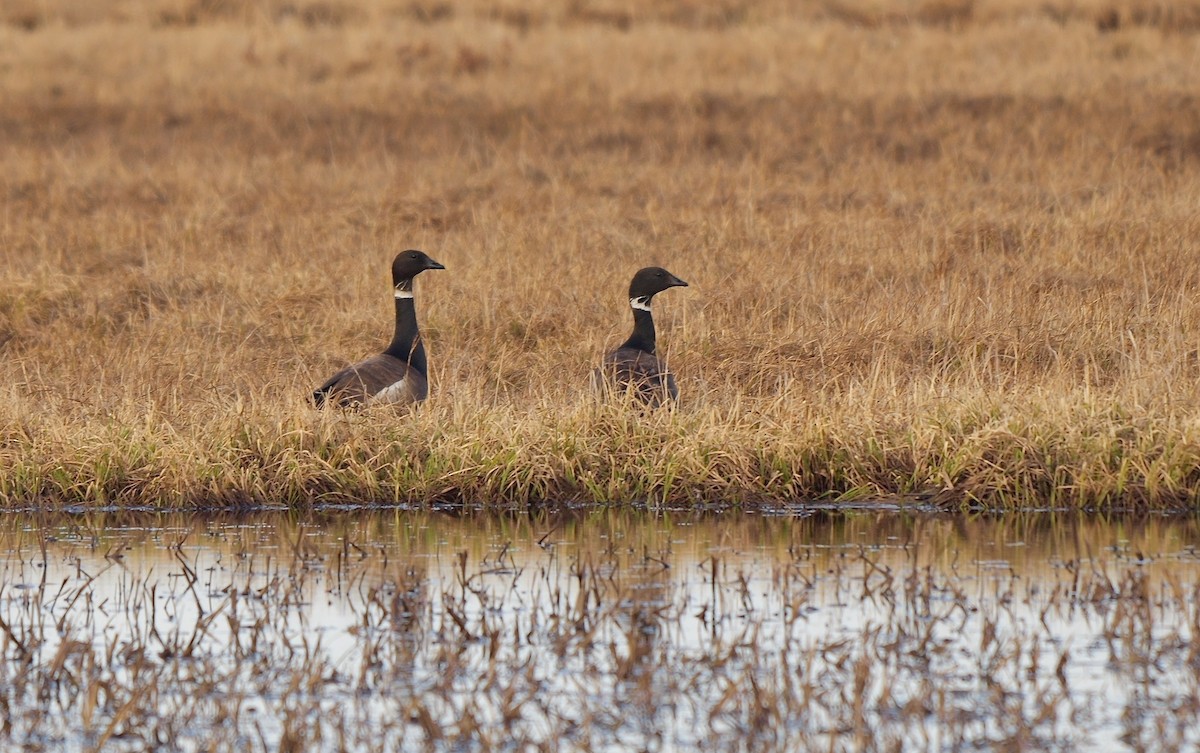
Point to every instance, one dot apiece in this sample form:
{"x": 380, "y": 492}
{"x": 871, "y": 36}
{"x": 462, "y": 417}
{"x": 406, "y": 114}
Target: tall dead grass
{"x": 951, "y": 256}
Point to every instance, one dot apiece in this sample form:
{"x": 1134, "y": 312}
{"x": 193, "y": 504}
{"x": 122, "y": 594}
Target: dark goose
{"x": 634, "y": 367}
{"x": 398, "y": 375}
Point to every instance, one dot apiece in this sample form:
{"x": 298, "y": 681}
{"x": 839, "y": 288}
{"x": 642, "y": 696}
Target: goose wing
{"x": 377, "y": 380}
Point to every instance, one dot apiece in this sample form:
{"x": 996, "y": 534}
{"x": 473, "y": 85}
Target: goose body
{"x": 634, "y": 368}
{"x": 398, "y": 375}
{"x": 639, "y": 372}
{"x": 379, "y": 379}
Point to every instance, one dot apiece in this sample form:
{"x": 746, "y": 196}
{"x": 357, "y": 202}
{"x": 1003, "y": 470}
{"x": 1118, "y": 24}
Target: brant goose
{"x": 633, "y": 366}
{"x": 398, "y": 374}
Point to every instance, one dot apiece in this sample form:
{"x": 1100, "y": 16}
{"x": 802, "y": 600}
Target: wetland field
{"x": 937, "y": 250}
{"x": 931, "y": 484}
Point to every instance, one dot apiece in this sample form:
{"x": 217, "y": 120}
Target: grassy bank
{"x": 949, "y": 252}
{"x": 782, "y": 451}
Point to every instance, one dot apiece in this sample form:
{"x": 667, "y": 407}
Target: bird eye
{"x": 414, "y": 255}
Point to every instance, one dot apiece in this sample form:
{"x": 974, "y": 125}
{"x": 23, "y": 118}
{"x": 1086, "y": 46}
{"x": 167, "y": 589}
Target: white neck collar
{"x": 641, "y": 303}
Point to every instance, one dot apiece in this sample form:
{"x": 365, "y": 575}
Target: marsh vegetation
{"x": 935, "y": 248}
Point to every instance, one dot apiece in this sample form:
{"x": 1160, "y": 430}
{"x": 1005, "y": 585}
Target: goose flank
{"x": 398, "y": 375}
{"x": 634, "y": 367}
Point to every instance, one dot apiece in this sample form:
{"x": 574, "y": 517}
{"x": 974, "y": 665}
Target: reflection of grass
{"x": 594, "y": 630}
{"x": 913, "y": 269}
{"x": 1035, "y": 545}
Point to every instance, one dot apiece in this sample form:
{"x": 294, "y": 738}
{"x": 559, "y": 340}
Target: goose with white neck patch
{"x": 634, "y": 367}
{"x": 398, "y": 375}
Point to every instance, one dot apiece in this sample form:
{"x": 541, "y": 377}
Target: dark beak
{"x": 677, "y": 283}
{"x": 431, "y": 264}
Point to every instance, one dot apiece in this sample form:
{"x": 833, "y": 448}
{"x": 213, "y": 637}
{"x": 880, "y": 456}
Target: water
{"x": 598, "y": 631}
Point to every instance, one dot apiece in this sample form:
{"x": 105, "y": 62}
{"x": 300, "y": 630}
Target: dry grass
{"x": 948, "y": 250}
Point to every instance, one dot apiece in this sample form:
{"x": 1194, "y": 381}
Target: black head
{"x": 409, "y": 264}
{"x": 653, "y": 280}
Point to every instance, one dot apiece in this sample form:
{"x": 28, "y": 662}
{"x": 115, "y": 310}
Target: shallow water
{"x": 601, "y": 631}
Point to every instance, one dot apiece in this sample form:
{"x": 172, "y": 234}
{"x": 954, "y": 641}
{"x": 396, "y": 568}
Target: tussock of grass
{"x": 913, "y": 271}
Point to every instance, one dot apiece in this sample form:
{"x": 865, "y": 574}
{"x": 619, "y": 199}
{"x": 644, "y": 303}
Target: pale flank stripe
{"x": 393, "y": 393}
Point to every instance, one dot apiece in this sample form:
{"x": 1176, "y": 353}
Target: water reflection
{"x": 603, "y": 630}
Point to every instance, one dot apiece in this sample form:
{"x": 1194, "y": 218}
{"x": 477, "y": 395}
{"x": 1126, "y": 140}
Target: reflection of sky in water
{"x": 615, "y": 631}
